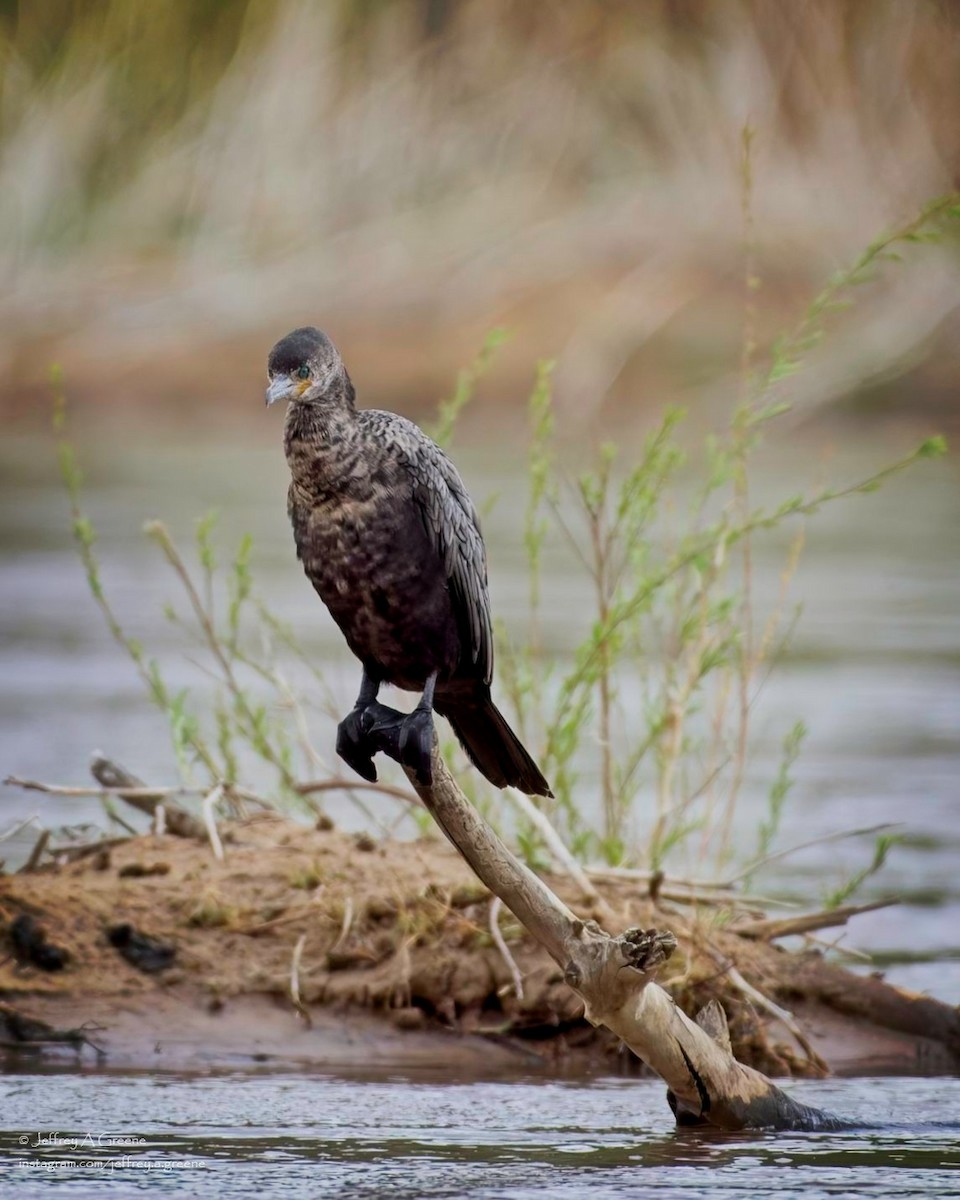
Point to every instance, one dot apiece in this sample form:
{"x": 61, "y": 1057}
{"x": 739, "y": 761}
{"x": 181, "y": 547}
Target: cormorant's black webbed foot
{"x": 417, "y": 736}
{"x": 354, "y": 747}
{"x": 406, "y": 737}
{"x": 353, "y": 742}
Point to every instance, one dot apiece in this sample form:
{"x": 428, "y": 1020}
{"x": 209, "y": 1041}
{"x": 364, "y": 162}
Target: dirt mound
{"x": 401, "y": 931}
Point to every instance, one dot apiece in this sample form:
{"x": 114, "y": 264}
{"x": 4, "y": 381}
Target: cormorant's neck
{"x": 340, "y": 391}
{"x": 324, "y": 418}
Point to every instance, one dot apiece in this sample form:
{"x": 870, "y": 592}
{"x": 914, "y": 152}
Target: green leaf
{"x": 933, "y": 447}
{"x": 449, "y": 410}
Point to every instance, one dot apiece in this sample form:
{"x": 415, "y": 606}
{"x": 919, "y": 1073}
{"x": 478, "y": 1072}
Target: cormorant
{"x": 390, "y": 539}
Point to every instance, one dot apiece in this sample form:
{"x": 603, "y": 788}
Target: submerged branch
{"x": 613, "y": 975}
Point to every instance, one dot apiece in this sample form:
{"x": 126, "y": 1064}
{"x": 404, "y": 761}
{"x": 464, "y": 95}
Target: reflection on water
{"x": 249, "y": 1135}
{"x": 874, "y": 669}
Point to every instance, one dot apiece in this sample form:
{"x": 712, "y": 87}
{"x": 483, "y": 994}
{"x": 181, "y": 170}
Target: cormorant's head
{"x": 302, "y": 366}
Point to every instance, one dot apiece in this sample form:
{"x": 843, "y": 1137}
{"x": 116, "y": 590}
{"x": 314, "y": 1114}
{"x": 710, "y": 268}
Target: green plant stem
{"x": 730, "y": 534}
{"x": 85, "y": 538}
{"x": 161, "y": 535}
{"x": 808, "y": 331}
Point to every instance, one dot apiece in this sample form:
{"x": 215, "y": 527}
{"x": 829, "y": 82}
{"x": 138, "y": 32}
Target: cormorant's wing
{"x": 453, "y": 524}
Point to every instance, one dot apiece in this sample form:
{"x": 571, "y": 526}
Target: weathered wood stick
{"x": 36, "y": 853}
{"x": 614, "y": 975}
{"x": 865, "y": 997}
{"x": 778, "y": 927}
{"x": 178, "y": 820}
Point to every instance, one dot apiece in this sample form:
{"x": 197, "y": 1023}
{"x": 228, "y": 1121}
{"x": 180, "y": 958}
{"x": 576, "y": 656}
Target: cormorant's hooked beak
{"x": 281, "y": 388}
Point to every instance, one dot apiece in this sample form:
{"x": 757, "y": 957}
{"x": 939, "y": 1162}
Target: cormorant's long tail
{"x": 490, "y": 743}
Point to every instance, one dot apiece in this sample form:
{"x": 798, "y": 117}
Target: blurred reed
{"x": 196, "y": 170}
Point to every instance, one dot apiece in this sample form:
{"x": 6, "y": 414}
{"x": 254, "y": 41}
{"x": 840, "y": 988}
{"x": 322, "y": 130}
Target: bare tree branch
{"x": 613, "y": 975}
{"x": 778, "y": 927}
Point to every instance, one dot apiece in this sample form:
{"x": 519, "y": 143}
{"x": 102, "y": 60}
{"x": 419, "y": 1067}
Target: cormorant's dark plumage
{"x": 390, "y": 540}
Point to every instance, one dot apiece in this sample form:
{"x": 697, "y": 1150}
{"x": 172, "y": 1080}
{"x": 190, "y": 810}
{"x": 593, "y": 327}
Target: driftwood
{"x": 778, "y": 927}
{"x": 869, "y": 998}
{"x": 132, "y": 790}
{"x": 118, "y": 783}
{"x": 613, "y": 975}
{"x": 18, "y": 1032}
{"x": 36, "y": 853}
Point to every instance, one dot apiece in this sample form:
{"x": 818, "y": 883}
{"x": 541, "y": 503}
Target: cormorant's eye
{"x": 303, "y": 372}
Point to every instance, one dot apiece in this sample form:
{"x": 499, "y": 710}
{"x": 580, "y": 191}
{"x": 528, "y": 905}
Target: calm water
{"x": 874, "y": 671}
{"x": 874, "y": 668}
{"x": 303, "y": 1136}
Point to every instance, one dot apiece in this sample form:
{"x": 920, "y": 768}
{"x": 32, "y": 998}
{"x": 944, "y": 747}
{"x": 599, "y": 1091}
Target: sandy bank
{"x": 396, "y": 968}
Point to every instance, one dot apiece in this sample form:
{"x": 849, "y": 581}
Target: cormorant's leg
{"x": 352, "y": 744}
{"x": 417, "y": 736}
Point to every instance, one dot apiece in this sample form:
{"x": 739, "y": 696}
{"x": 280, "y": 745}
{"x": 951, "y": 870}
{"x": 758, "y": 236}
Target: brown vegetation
{"x": 183, "y": 182}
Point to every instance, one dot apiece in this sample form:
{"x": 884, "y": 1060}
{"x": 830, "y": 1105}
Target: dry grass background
{"x": 182, "y": 182}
